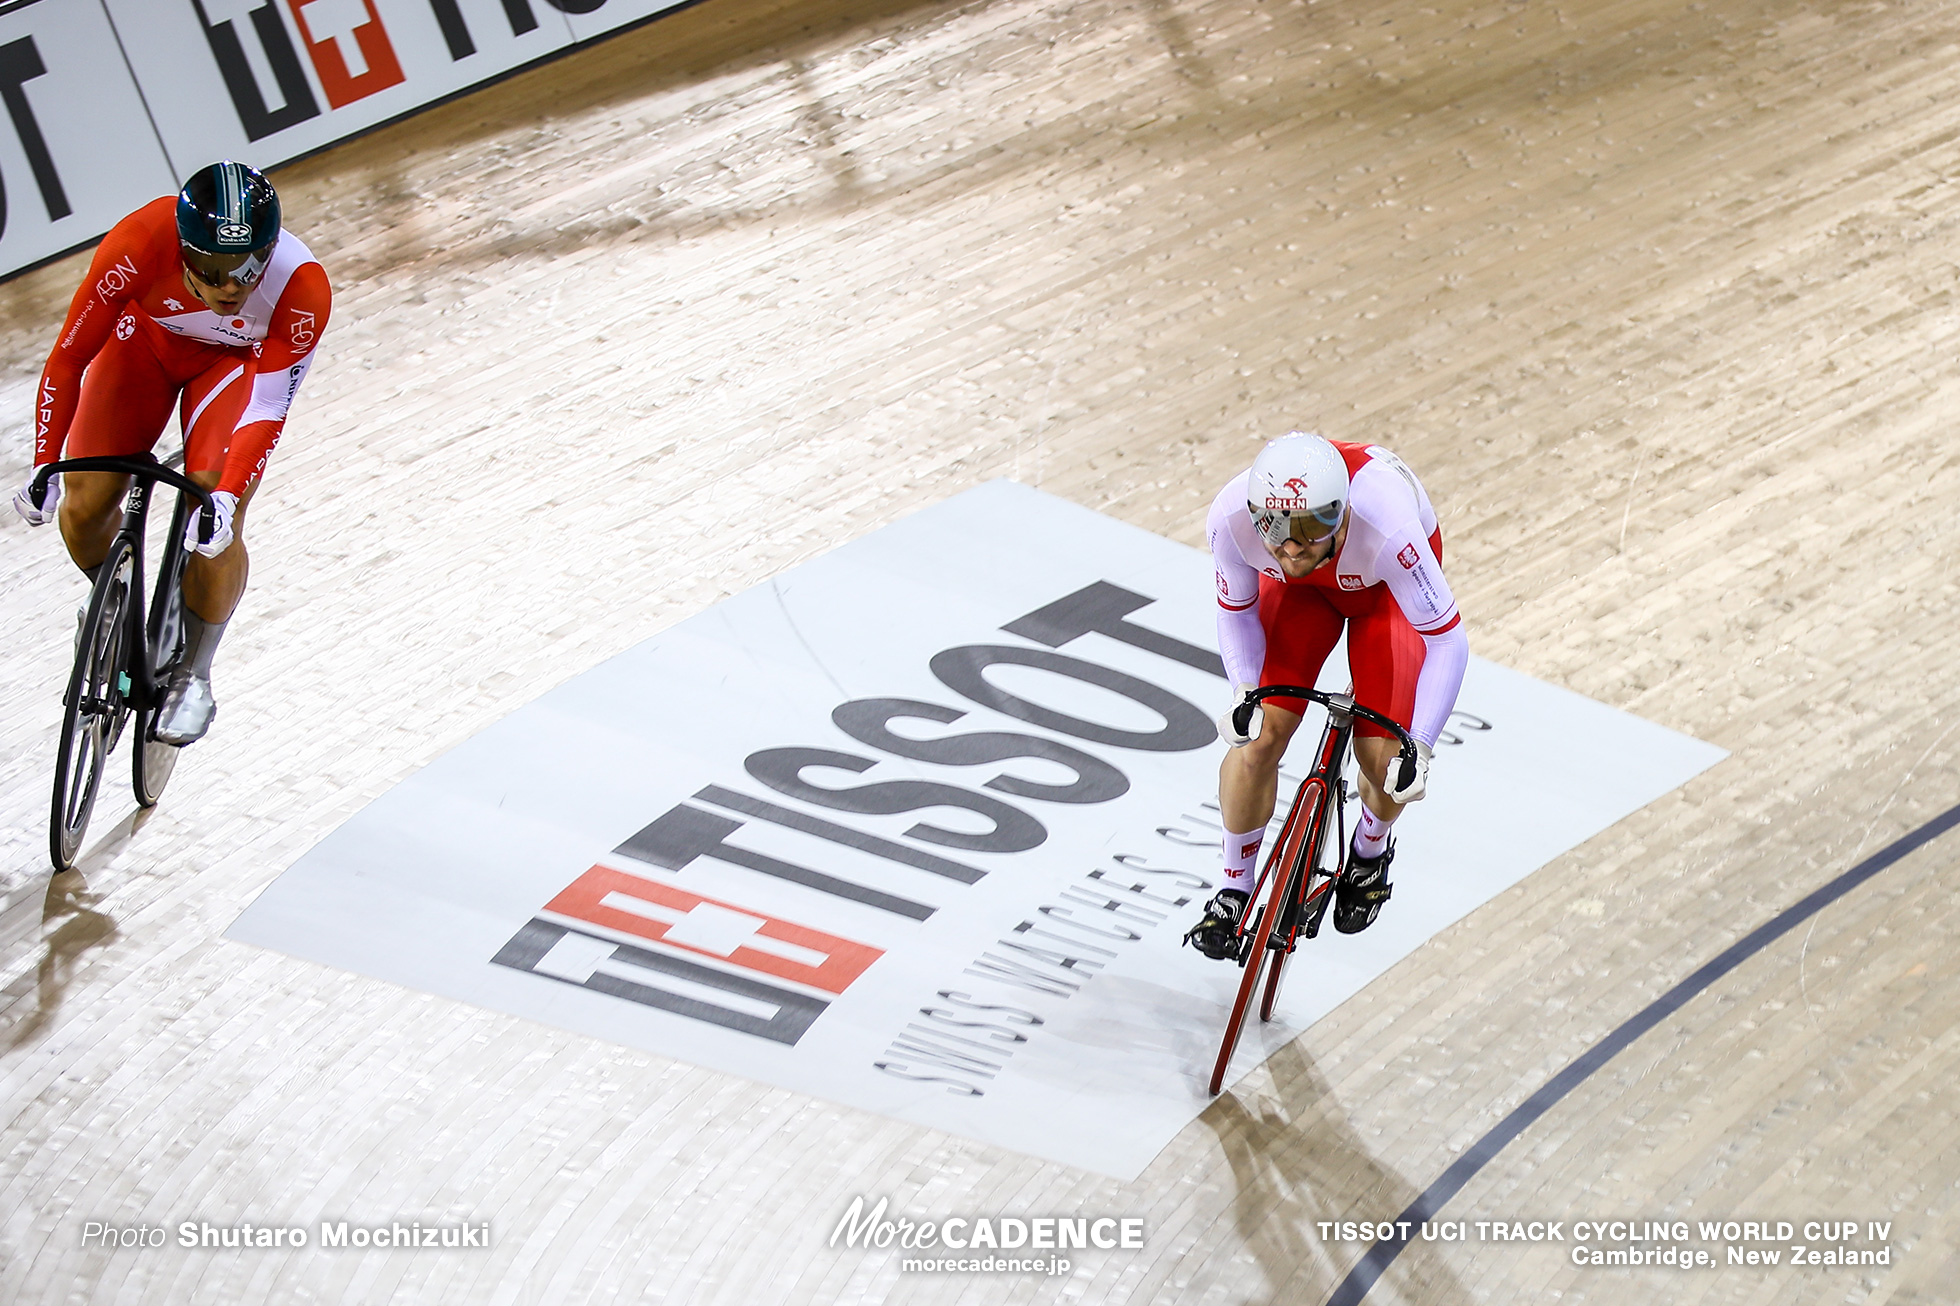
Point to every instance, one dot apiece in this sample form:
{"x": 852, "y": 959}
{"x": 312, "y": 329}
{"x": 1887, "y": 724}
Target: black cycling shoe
{"x": 1217, "y": 934}
{"x": 1360, "y": 893}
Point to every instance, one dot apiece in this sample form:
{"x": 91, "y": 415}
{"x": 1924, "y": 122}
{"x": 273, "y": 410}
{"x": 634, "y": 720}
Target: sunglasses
{"x": 1279, "y": 528}
{"x": 215, "y": 270}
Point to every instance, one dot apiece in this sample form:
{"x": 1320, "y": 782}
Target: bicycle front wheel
{"x": 1262, "y": 930}
{"x": 94, "y": 707}
{"x": 152, "y": 761}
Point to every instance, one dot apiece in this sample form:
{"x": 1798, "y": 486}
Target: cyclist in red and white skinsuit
{"x": 1316, "y": 537}
{"x": 203, "y": 302}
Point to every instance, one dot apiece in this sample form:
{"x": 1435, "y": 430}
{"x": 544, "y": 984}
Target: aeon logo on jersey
{"x": 349, "y": 48}
{"x": 117, "y": 279}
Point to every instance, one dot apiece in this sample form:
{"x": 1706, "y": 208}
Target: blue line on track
{"x": 1371, "y": 1267}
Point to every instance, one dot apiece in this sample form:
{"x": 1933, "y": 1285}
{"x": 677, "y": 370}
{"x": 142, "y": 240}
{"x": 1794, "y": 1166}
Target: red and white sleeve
{"x": 280, "y": 363}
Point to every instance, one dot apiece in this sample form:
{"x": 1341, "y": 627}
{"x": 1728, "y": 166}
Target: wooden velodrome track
{"x": 1658, "y": 296}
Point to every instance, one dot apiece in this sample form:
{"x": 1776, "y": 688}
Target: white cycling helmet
{"x": 1298, "y": 489}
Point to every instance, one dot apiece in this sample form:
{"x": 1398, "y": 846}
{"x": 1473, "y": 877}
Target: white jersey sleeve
{"x": 1390, "y": 525}
{"x": 1241, "y": 639}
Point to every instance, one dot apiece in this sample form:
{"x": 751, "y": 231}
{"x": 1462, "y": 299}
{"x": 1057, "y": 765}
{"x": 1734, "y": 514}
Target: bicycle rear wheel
{"x": 94, "y": 707}
{"x": 151, "y": 761}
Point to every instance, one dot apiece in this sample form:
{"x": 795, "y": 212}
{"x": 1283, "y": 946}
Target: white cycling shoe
{"x": 188, "y": 706}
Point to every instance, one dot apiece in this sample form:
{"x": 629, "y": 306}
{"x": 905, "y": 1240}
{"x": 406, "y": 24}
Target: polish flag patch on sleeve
{"x": 1408, "y": 557}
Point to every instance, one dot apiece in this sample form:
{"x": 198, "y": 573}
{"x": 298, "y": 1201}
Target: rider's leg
{"x": 1301, "y": 629}
{"x": 1375, "y": 754}
{"x": 1302, "y": 626}
{"x": 90, "y": 515}
{"x": 212, "y": 404}
{"x": 124, "y": 401}
{"x": 1385, "y": 655}
{"x": 213, "y": 586}
{"x": 1248, "y": 790}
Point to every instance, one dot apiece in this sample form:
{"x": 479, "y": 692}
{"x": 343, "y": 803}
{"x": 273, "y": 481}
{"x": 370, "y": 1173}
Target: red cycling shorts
{"x": 1304, "y": 620}
{"x": 129, "y": 387}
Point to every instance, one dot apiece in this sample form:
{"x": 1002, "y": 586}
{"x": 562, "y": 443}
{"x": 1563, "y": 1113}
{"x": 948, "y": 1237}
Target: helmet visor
{"x": 1276, "y": 527}
{"x": 215, "y": 270}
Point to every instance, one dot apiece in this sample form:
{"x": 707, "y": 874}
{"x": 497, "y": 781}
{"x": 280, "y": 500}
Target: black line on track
{"x": 1375, "y": 1263}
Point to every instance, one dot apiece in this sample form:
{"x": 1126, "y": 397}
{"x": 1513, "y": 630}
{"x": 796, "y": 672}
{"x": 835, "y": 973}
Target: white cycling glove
{"x": 1229, "y": 732}
{"x": 24, "y": 501}
{"x": 223, "y": 504}
{"x": 1418, "y": 783}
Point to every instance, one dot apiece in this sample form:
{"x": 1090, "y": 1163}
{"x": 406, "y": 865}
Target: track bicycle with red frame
{"x": 1291, "y": 895}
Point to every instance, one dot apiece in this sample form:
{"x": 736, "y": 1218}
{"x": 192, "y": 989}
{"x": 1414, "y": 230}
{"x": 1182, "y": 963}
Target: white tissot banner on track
{"x": 917, "y": 827}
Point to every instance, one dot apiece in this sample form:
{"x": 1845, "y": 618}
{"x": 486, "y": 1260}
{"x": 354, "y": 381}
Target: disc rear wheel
{"x": 93, "y": 709}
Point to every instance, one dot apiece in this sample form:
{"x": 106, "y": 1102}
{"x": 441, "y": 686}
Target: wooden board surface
{"x": 1657, "y": 297}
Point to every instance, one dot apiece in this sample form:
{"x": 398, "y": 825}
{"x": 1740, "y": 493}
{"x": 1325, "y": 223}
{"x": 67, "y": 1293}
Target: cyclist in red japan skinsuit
{"x": 205, "y": 303}
{"x": 1313, "y": 538}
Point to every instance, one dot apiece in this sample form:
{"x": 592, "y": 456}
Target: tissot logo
{"x": 746, "y": 940}
{"x": 739, "y": 949}
{"x": 246, "y": 38}
{"x": 345, "y": 41}
{"x": 349, "y": 48}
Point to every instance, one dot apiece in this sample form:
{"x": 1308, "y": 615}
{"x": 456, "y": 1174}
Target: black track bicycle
{"x": 1291, "y": 895}
{"x": 124, "y": 649}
